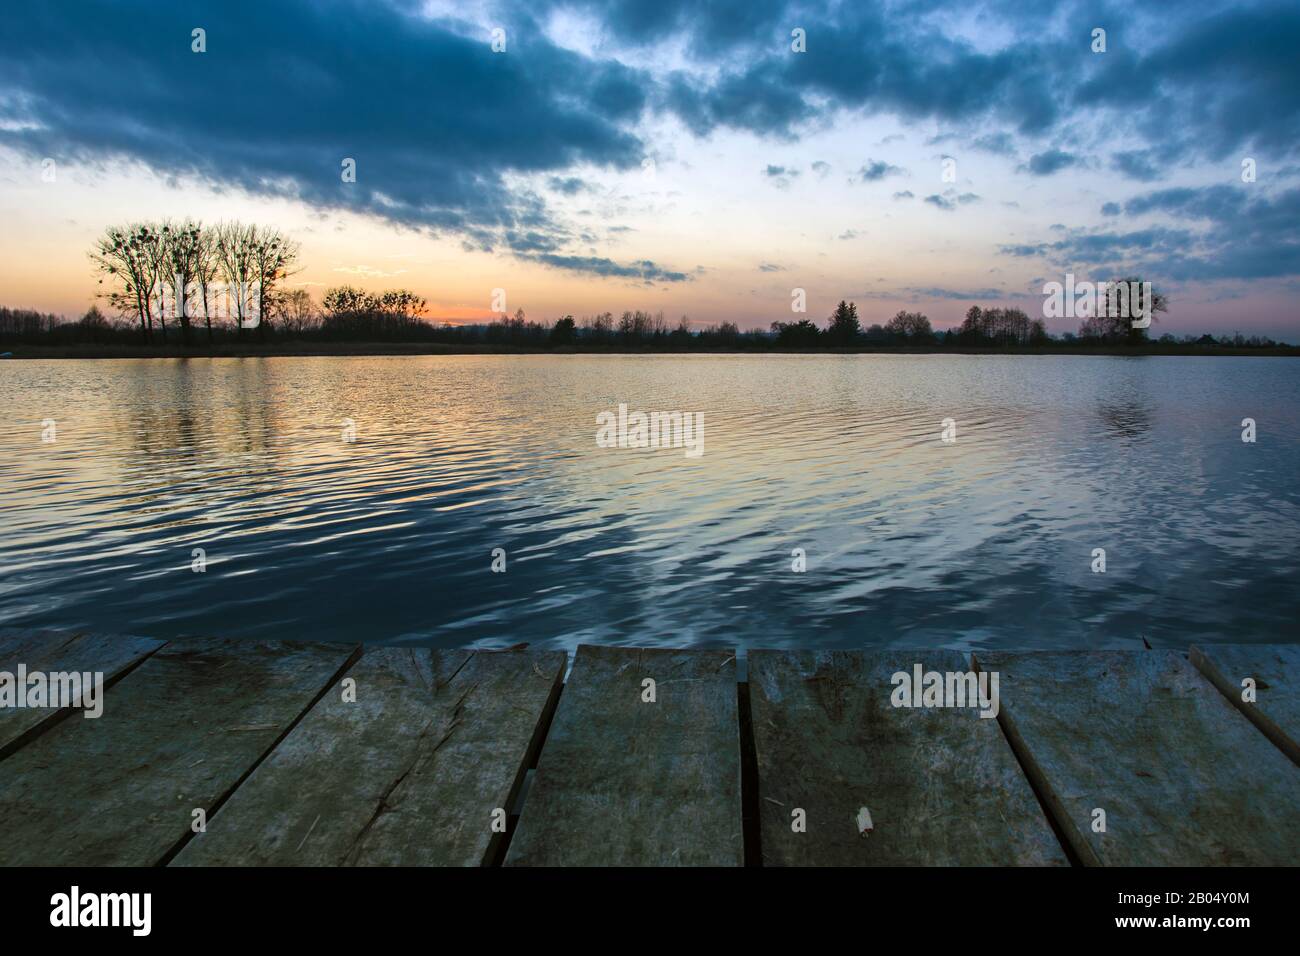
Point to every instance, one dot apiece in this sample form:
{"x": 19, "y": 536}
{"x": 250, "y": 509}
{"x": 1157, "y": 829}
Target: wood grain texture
{"x": 409, "y": 773}
{"x": 1182, "y": 776}
{"x": 55, "y": 651}
{"x": 1275, "y": 669}
{"x": 941, "y": 784}
{"x": 621, "y": 782}
{"x": 178, "y": 733}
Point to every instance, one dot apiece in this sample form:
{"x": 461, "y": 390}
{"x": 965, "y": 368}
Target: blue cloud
{"x": 1051, "y": 161}
{"x": 780, "y": 176}
{"x": 1000, "y": 144}
{"x": 1136, "y": 164}
{"x": 938, "y": 292}
{"x": 876, "y": 169}
{"x": 950, "y": 200}
{"x": 1024, "y": 251}
{"x": 1240, "y": 233}
{"x": 568, "y": 185}
{"x": 607, "y": 268}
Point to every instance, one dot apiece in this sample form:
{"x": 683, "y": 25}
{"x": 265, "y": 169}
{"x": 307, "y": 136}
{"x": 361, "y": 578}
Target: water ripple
{"x": 908, "y": 540}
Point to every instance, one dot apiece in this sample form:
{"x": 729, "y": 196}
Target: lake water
{"x": 909, "y": 540}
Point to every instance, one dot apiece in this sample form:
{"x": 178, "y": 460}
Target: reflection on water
{"x": 1126, "y": 405}
{"x": 909, "y": 541}
{"x": 1125, "y": 421}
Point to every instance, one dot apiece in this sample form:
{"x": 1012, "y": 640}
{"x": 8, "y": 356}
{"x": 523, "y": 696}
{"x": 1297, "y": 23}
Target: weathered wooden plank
{"x": 52, "y": 652}
{"x": 625, "y": 782}
{"x": 408, "y": 773}
{"x": 941, "y": 785}
{"x": 1275, "y": 669}
{"x": 177, "y": 733}
{"x": 1182, "y": 776}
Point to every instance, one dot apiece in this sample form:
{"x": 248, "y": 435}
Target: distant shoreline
{"x": 323, "y": 349}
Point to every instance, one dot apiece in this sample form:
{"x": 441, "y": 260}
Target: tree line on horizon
{"x": 347, "y": 314}
{"x": 987, "y": 328}
{"x": 153, "y": 271}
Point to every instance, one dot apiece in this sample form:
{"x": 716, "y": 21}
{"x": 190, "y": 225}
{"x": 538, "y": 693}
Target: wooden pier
{"x": 223, "y": 753}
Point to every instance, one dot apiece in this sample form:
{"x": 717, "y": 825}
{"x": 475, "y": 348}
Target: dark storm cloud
{"x": 378, "y": 68}
{"x": 758, "y": 101}
{"x": 438, "y": 124}
{"x": 859, "y": 58}
{"x": 711, "y": 28}
{"x": 1178, "y": 81}
{"x": 1211, "y": 84}
{"x": 286, "y": 91}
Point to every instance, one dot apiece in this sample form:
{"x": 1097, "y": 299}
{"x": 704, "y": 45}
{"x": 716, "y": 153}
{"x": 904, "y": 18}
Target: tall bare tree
{"x": 124, "y": 257}
{"x": 156, "y": 240}
{"x": 183, "y": 246}
{"x": 273, "y": 258}
{"x": 235, "y": 256}
{"x": 298, "y": 312}
{"x": 207, "y": 266}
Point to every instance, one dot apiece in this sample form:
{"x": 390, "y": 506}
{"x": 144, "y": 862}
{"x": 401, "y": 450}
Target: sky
{"x": 700, "y": 159}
